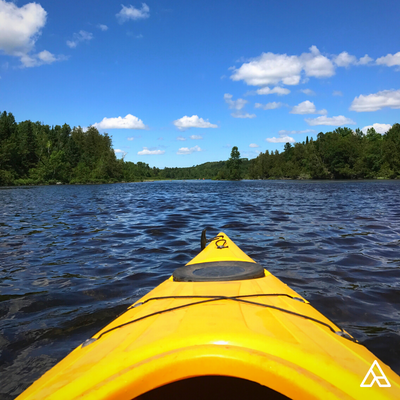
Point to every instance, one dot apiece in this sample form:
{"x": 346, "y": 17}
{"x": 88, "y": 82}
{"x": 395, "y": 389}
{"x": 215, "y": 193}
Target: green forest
{"x": 340, "y": 154}
{"x": 33, "y": 153}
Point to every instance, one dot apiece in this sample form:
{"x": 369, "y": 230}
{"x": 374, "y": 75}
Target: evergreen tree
{"x": 234, "y": 164}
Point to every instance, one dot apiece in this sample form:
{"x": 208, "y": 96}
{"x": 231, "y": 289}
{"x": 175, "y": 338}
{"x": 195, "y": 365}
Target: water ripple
{"x": 73, "y": 257}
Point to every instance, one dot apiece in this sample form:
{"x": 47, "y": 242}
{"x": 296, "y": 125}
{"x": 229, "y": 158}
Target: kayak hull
{"x": 259, "y": 330}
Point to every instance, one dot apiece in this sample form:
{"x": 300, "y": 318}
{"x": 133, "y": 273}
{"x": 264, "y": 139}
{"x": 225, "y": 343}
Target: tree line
{"x": 35, "y": 153}
{"x": 340, "y": 154}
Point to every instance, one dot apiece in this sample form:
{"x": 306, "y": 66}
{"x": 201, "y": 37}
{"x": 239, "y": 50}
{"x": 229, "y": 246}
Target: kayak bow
{"x": 221, "y": 326}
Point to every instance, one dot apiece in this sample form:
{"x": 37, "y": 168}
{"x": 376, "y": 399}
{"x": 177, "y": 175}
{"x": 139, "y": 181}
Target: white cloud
{"x": 133, "y": 13}
{"x": 307, "y": 107}
{"x": 308, "y": 92}
{"x": 44, "y": 57}
{"x": 20, "y": 27}
{"x": 122, "y": 152}
{"x": 280, "y": 91}
{"x": 317, "y": 65}
{"x": 376, "y": 101}
{"x": 365, "y": 60}
{"x": 186, "y": 150}
{"x": 286, "y": 133}
{"x": 253, "y": 145}
{"x": 344, "y": 59}
{"x": 269, "y": 106}
{"x": 239, "y": 114}
{"x": 192, "y": 122}
{"x": 128, "y": 122}
{"x": 102, "y": 27}
{"x": 337, "y": 93}
{"x": 196, "y": 137}
{"x": 274, "y": 69}
{"x": 181, "y": 138}
{"x": 269, "y": 68}
{"x": 281, "y": 139}
{"x": 82, "y": 36}
{"x": 380, "y": 128}
{"x": 390, "y": 60}
{"x": 147, "y": 152}
{"x": 332, "y": 121}
{"x": 235, "y": 104}
{"x": 131, "y": 138}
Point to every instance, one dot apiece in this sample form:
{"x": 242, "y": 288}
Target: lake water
{"x": 74, "y": 257}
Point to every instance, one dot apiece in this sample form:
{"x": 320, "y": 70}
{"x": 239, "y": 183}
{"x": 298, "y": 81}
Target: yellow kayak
{"x": 220, "y": 327}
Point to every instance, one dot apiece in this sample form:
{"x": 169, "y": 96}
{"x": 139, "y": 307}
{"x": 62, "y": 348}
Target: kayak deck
{"x": 186, "y": 336}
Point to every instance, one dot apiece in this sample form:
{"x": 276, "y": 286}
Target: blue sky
{"x": 178, "y": 83}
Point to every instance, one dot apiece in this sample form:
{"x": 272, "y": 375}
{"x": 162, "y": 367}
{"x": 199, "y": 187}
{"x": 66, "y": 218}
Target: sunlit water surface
{"x": 73, "y": 257}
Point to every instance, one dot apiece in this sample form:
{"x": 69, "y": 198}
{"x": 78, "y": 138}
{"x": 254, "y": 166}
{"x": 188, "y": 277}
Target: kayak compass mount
{"x": 218, "y": 239}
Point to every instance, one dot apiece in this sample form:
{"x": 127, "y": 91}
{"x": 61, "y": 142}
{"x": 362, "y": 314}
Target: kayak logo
{"x": 380, "y": 379}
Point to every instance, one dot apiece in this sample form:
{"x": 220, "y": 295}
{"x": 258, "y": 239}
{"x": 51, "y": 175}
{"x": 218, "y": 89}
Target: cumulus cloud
{"x": 281, "y": 139}
{"x": 150, "y": 152}
{"x": 286, "y": 133}
{"x": 331, "y": 121}
{"x": 269, "y": 68}
{"x": 365, "y": 60}
{"x": 196, "y": 137}
{"x": 272, "y": 69}
{"x": 280, "y": 91}
{"x": 380, "y": 128}
{"x": 121, "y": 152}
{"x": 307, "y": 107}
{"x": 187, "y": 150}
{"x": 269, "y": 106}
{"x": 376, "y": 101}
{"x": 390, "y": 60}
{"x": 253, "y": 145}
{"x": 308, "y": 92}
{"x": 317, "y": 65}
{"x": 239, "y": 114}
{"x": 102, "y": 27}
{"x": 44, "y": 57}
{"x": 181, "y": 138}
{"x": 235, "y": 104}
{"x": 192, "y": 122}
{"x": 82, "y": 36}
{"x": 344, "y": 59}
{"x": 128, "y": 122}
{"x": 133, "y": 13}
{"x": 20, "y": 27}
